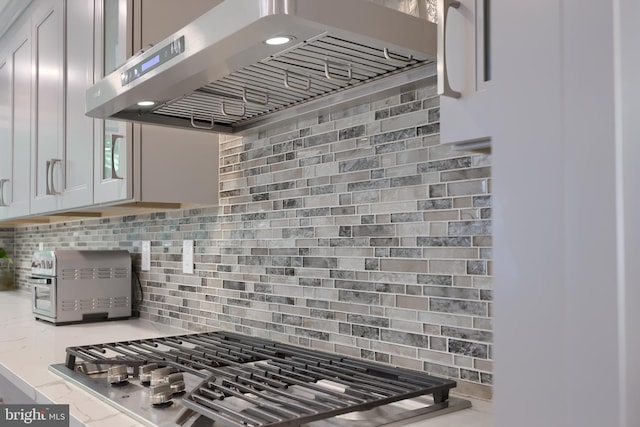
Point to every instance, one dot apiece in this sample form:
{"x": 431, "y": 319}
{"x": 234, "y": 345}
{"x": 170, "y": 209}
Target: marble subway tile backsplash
{"x": 352, "y": 232}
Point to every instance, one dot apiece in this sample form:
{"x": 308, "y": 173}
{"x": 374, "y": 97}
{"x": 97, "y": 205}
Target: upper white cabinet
{"x": 53, "y": 158}
{"x": 143, "y": 163}
{"x": 15, "y": 121}
{"x": 62, "y": 143}
{"x": 464, "y": 73}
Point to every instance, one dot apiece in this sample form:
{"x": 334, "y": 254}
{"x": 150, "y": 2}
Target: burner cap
{"x": 117, "y": 374}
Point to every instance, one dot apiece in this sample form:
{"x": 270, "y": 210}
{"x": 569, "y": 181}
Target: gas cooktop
{"x": 222, "y": 379}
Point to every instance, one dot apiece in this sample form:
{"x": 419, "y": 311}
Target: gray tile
{"x": 465, "y": 174}
{"x": 429, "y": 129}
{"x": 451, "y": 292}
{"x": 477, "y": 267}
{"x": 469, "y": 308}
{"x": 469, "y": 228}
{"x": 359, "y": 164}
{"x": 435, "y": 279}
{"x": 434, "y": 204}
{"x": 365, "y": 332}
{"x": 468, "y": 348}
{"x": 470, "y": 375}
{"x": 467, "y": 334}
{"x": 325, "y": 138}
{"x": 405, "y": 265}
{"x": 358, "y": 297}
{"x": 374, "y": 230}
{"x": 368, "y": 286}
{"x": 443, "y": 165}
{"x": 486, "y": 378}
{"x": 442, "y": 370}
{"x": 404, "y": 338}
{"x": 482, "y": 201}
{"x": 444, "y": 241}
{"x": 352, "y": 132}
{"x": 393, "y": 136}
{"x": 317, "y": 262}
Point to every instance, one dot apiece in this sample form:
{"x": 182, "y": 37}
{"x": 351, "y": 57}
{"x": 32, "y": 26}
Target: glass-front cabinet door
{"x": 113, "y": 138}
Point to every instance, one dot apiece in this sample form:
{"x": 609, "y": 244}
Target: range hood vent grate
{"x": 314, "y": 69}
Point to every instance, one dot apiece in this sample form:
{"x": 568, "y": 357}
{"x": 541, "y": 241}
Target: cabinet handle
{"x": 51, "y": 190}
{"x": 335, "y": 77}
{"x": 3, "y": 204}
{"x": 444, "y": 88}
{"x": 54, "y": 162}
{"x": 46, "y": 174}
{"x": 115, "y": 143}
{"x": 48, "y": 178}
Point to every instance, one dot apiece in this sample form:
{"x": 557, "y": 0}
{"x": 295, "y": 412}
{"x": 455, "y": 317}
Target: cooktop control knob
{"x": 160, "y": 375}
{"x": 176, "y": 382}
{"x": 117, "y": 374}
{"x": 145, "y": 372}
{"x": 160, "y": 394}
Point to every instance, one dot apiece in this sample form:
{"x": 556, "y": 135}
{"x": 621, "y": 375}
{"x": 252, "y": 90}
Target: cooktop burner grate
{"x": 249, "y": 381}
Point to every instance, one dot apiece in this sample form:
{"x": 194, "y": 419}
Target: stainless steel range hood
{"x": 218, "y": 73}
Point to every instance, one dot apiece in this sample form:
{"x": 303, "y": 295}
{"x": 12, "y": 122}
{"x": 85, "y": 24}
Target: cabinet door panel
{"x": 463, "y": 36}
{"x": 48, "y": 165}
{"x": 19, "y": 190}
{"x": 78, "y": 145}
{"x": 5, "y": 134}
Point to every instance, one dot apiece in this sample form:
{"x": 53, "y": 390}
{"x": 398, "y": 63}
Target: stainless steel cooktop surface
{"x": 222, "y": 379}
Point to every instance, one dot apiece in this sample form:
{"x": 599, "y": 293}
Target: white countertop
{"x": 28, "y": 347}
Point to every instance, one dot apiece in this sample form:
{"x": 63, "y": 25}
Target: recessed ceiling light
{"x": 146, "y": 103}
{"x": 274, "y": 41}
